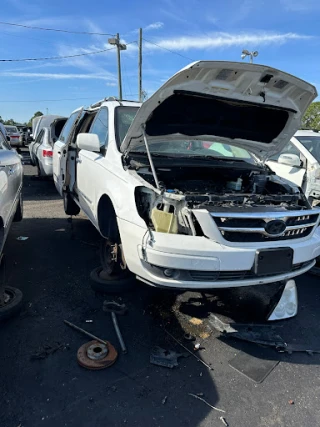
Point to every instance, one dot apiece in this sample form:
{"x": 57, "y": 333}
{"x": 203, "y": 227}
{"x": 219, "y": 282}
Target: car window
{"x": 100, "y": 127}
{"x": 39, "y": 138}
{"x": 68, "y": 127}
{"x": 123, "y": 118}
{"x": 288, "y": 149}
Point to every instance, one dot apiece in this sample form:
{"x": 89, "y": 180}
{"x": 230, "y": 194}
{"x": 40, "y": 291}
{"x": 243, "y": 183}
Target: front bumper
{"x": 147, "y": 256}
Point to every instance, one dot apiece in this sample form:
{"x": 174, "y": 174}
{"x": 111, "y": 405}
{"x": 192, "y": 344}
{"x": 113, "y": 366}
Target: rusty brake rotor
{"x": 95, "y": 355}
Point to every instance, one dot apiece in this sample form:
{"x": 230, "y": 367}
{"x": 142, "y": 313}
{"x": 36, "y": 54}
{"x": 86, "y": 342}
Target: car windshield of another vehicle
{"x": 312, "y": 144}
{"x": 199, "y": 149}
{"x": 11, "y": 129}
{"x": 123, "y": 118}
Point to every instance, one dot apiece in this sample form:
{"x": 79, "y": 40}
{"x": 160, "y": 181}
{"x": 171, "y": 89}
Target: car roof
{"x": 306, "y": 132}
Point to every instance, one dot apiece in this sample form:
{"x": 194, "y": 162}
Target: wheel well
{"x": 107, "y": 219}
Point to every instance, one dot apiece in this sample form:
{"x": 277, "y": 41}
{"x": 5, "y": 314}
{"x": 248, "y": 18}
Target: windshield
{"x": 199, "y": 149}
{"x": 123, "y": 118}
{"x": 312, "y": 144}
{"x": 11, "y": 129}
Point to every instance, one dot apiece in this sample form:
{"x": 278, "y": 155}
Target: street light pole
{"x": 140, "y": 67}
{"x": 116, "y": 42}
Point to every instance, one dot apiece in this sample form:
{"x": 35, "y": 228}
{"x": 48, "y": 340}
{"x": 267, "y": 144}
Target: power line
{"x": 61, "y": 57}
{"x": 56, "y": 57}
{"x": 49, "y": 100}
{"x": 54, "y": 29}
{"x": 171, "y": 51}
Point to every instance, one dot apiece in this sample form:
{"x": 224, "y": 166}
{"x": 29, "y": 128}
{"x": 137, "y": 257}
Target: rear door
{"x": 33, "y": 148}
{"x": 60, "y": 151}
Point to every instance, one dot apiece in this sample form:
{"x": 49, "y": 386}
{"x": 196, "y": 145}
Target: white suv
{"x": 183, "y": 198}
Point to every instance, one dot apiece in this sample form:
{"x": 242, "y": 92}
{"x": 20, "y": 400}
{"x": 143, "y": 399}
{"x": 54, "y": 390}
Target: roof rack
{"x": 110, "y": 98}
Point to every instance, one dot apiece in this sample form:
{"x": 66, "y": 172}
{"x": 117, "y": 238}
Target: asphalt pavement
{"x": 43, "y": 385}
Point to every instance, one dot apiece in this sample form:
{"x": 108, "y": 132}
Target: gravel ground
{"x": 52, "y": 269}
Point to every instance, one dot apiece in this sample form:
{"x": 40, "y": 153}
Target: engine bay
{"x": 225, "y": 187}
{"x": 184, "y": 189}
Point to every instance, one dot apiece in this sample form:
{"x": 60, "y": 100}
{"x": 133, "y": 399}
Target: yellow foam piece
{"x": 164, "y": 222}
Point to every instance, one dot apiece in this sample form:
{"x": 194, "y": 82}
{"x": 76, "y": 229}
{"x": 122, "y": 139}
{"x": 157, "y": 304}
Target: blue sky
{"x": 285, "y": 32}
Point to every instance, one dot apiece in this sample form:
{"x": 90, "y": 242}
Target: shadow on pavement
{"x": 52, "y": 269}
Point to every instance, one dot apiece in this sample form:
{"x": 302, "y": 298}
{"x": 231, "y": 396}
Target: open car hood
{"x": 254, "y": 107}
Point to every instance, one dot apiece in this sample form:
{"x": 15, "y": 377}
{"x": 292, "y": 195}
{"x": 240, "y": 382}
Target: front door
{"x": 89, "y": 164}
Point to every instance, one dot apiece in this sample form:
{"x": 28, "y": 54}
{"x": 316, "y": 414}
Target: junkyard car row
{"x": 192, "y": 189}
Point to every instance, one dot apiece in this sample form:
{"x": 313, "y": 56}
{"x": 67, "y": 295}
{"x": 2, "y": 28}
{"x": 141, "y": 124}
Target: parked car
{"x": 299, "y": 162}
{"x": 41, "y": 122}
{"x": 25, "y": 135}
{"x": 11, "y": 209}
{"x": 14, "y": 135}
{"x": 179, "y": 214}
{"x": 41, "y": 150}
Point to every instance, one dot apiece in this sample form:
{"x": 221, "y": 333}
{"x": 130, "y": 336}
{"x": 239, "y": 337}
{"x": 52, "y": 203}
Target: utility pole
{"x": 140, "y": 67}
{"x": 116, "y": 42}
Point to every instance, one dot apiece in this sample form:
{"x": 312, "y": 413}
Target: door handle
{"x": 59, "y": 152}
{"x": 79, "y": 161}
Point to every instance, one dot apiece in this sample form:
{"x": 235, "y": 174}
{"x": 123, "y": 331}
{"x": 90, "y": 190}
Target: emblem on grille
{"x": 275, "y": 227}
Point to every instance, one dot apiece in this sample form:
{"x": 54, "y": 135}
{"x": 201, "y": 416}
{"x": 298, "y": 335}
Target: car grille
{"x": 236, "y": 227}
{"x": 229, "y": 276}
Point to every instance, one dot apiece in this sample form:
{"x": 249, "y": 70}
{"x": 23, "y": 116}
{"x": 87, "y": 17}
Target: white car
{"x": 41, "y": 149}
{"x": 11, "y": 176}
{"x": 174, "y": 207}
{"x": 299, "y": 162}
{"x": 14, "y": 135}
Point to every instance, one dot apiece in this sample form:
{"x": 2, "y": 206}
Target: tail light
{"x": 47, "y": 153}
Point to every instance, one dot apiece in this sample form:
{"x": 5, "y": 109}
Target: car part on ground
{"x": 94, "y": 355}
{"x": 10, "y": 302}
{"x": 288, "y": 304}
{"x": 166, "y": 358}
{"x": 114, "y": 308}
{"x": 84, "y": 332}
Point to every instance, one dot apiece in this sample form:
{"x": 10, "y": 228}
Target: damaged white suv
{"x": 183, "y": 197}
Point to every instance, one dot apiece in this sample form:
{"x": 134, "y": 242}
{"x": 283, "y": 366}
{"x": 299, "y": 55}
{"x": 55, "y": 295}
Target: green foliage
{"x": 37, "y": 114}
{"x": 311, "y": 119}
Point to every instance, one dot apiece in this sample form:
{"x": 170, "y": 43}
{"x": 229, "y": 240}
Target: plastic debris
{"x": 224, "y": 421}
{"x": 167, "y": 358}
{"x": 89, "y": 321}
{"x": 22, "y": 238}
{"x": 164, "y": 400}
{"x": 197, "y": 346}
{"x": 207, "y": 403}
{"x": 291, "y": 402}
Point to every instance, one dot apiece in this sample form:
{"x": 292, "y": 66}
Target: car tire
{"x": 110, "y": 284}
{"x": 14, "y": 305}
{"x": 18, "y": 216}
{"x": 70, "y": 206}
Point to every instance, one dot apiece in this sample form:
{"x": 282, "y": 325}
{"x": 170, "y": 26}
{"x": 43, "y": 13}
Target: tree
{"x": 311, "y": 119}
{"x": 10, "y": 122}
{"x": 37, "y": 114}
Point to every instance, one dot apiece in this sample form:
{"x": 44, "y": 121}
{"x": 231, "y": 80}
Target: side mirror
{"x": 88, "y": 141}
{"x": 289, "y": 160}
